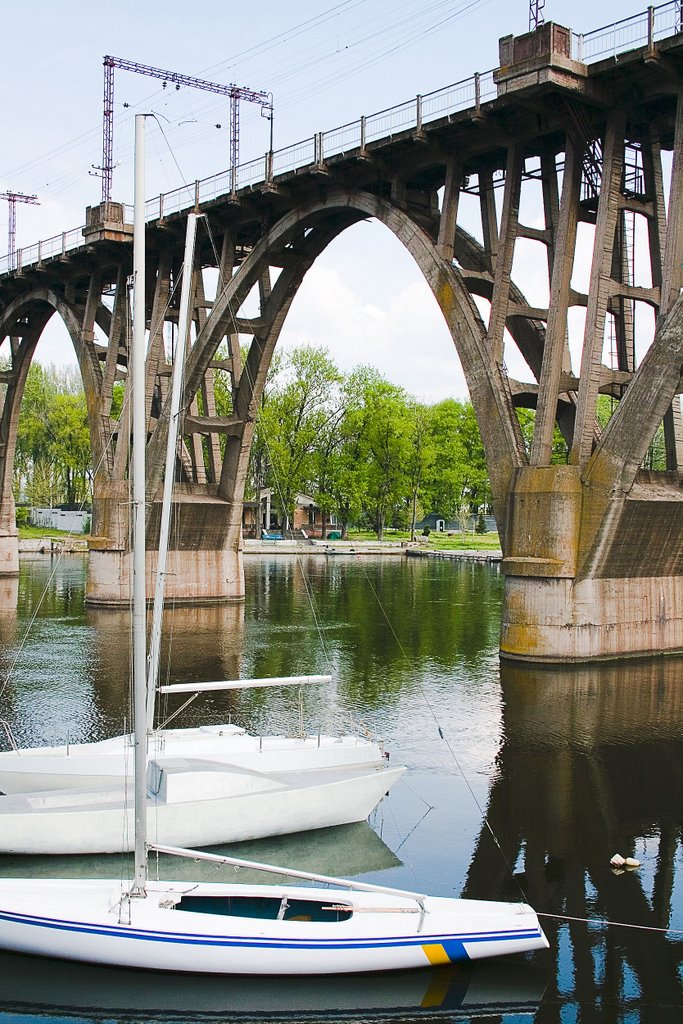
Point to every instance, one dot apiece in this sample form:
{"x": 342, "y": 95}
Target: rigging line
{"x": 173, "y": 156}
{"x": 410, "y": 865}
{"x": 603, "y": 922}
{"x": 415, "y": 827}
{"x": 445, "y": 739}
{"x": 430, "y": 807}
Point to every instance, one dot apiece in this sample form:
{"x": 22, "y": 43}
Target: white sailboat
{"x": 190, "y": 802}
{"x": 218, "y": 928}
{"x": 106, "y": 762}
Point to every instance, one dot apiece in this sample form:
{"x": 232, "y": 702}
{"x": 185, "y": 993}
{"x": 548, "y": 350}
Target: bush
{"x": 426, "y": 531}
{"x": 22, "y": 512}
{"x": 481, "y": 524}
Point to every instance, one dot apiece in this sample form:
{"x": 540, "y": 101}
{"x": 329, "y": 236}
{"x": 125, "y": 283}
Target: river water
{"x": 540, "y": 777}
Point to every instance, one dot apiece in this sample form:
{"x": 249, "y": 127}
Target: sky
{"x": 326, "y": 63}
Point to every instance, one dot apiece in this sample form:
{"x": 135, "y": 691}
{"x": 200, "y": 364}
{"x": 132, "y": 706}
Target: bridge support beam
{"x": 204, "y": 562}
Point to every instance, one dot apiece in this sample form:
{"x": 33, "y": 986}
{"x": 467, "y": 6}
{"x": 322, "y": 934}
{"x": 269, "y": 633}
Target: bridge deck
{"x": 468, "y": 100}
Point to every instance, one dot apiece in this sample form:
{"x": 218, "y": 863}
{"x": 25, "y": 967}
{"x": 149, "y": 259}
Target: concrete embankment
{"x": 325, "y": 547}
{"x": 53, "y": 545}
{"x": 363, "y": 547}
{"x": 468, "y": 556}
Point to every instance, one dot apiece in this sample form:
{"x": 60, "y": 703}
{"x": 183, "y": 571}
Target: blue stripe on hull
{"x": 453, "y": 944}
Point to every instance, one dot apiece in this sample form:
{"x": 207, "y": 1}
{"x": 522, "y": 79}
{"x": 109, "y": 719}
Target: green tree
{"x": 69, "y": 446}
{"x": 292, "y": 420}
{"x": 53, "y": 461}
{"x": 458, "y": 473}
{"x": 421, "y": 459}
{"x": 385, "y": 436}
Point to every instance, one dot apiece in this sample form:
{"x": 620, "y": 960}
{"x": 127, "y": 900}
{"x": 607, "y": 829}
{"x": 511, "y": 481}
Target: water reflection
{"x": 32, "y": 990}
{"x": 570, "y": 766}
{"x": 590, "y": 765}
{"x": 354, "y": 850}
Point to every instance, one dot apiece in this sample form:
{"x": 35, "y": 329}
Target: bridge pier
{"x": 204, "y": 564}
{"x": 9, "y": 553}
{"x": 576, "y": 591}
{"x": 560, "y": 620}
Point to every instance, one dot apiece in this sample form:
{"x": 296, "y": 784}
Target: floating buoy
{"x": 618, "y": 861}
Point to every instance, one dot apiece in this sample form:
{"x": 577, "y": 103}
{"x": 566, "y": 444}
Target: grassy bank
{"x": 435, "y": 541}
{"x": 438, "y": 541}
{"x": 42, "y": 533}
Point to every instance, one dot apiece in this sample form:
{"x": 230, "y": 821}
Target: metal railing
{"x": 641, "y": 29}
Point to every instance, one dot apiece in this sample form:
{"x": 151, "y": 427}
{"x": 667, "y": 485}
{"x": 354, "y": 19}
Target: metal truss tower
{"x": 235, "y": 93}
{"x": 13, "y": 198}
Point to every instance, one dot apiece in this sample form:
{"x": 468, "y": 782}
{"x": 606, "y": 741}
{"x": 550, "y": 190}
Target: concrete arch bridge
{"x": 589, "y": 149}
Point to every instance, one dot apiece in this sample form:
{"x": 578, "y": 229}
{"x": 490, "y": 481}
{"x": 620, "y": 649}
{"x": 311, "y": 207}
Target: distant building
{"x": 68, "y": 519}
{"x": 263, "y": 515}
{"x": 439, "y": 524}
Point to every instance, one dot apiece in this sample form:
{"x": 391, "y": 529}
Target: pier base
{"x": 9, "y": 554}
{"x": 591, "y": 574}
{"x": 204, "y": 562}
{"x": 562, "y": 620}
{"x": 192, "y": 577}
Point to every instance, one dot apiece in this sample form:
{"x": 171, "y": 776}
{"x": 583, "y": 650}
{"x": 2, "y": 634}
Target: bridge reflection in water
{"x": 590, "y": 764}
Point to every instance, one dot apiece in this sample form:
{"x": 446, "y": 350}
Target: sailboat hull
{"x": 107, "y": 762}
{"x": 281, "y": 930}
{"x": 194, "y": 804}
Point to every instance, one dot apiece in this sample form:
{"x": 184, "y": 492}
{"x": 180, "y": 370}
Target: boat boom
{"x": 244, "y": 684}
{"x": 345, "y": 883}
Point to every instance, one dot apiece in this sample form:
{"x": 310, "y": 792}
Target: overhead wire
{"x": 296, "y": 66}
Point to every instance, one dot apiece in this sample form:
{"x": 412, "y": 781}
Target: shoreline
{"x": 336, "y": 548}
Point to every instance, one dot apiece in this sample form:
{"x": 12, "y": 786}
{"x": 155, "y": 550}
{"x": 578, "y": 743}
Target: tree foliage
{"x": 53, "y": 459}
{"x": 294, "y": 417}
{"x": 363, "y": 448}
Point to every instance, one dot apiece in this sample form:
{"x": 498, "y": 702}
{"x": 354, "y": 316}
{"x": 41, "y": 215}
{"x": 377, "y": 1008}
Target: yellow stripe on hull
{"x": 436, "y": 954}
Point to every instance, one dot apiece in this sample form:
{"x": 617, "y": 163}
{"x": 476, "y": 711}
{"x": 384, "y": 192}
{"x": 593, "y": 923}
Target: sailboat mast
{"x": 184, "y": 320}
{"x": 138, "y": 475}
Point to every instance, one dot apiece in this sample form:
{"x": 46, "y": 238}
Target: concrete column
{"x": 631, "y": 602}
{"x": 205, "y": 565}
{"x": 9, "y": 554}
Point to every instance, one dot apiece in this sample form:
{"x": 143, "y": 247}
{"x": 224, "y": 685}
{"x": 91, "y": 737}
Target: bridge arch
{"x": 294, "y": 242}
{"x": 24, "y": 320}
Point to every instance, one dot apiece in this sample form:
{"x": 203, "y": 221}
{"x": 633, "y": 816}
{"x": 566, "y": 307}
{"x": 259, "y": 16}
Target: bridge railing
{"x": 640, "y": 29}
{"x": 629, "y": 33}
